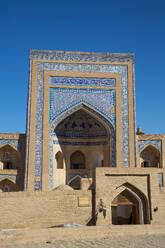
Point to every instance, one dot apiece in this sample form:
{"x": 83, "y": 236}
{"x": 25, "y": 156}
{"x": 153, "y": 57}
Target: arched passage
{"x": 150, "y": 157}
{"x": 130, "y": 206}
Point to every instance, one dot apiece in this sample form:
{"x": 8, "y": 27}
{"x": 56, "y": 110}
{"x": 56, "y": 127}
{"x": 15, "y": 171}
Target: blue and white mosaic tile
{"x": 94, "y": 82}
{"x": 74, "y": 143}
{"x": 142, "y": 144}
{"x": 62, "y": 99}
{"x": 81, "y": 56}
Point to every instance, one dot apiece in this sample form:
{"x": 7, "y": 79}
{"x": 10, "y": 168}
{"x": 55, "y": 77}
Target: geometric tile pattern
{"x": 144, "y": 143}
{"x": 17, "y": 144}
{"x": 62, "y": 99}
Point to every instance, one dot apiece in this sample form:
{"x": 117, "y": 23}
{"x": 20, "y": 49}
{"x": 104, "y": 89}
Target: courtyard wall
{"x": 44, "y": 209}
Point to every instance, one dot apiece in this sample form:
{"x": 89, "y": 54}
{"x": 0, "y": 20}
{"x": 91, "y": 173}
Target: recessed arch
{"x": 85, "y": 106}
{"x": 7, "y": 185}
{"x": 132, "y": 202}
{"x": 9, "y": 157}
{"x": 104, "y": 120}
{"x": 96, "y": 114}
{"x": 150, "y": 157}
{"x": 59, "y": 160}
{"x": 77, "y": 160}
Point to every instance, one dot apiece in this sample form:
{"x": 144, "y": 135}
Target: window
{"x": 146, "y": 164}
{"x": 7, "y": 165}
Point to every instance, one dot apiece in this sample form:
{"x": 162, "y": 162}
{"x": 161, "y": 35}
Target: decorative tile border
{"x": 81, "y": 56}
{"x": 142, "y": 144}
{"x": 17, "y": 144}
{"x": 66, "y": 143}
{"x": 94, "y": 82}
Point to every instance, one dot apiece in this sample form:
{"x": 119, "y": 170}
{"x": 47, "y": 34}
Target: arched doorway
{"x": 150, "y": 157}
{"x": 129, "y": 207}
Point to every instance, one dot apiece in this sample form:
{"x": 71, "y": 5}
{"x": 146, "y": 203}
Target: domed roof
{"x": 63, "y": 187}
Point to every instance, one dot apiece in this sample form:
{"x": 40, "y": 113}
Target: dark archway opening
{"x": 129, "y": 208}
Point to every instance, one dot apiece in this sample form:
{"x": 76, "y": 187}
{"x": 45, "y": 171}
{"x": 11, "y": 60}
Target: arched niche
{"x": 150, "y": 157}
{"x": 9, "y": 157}
{"x": 77, "y": 161}
{"x": 59, "y": 160}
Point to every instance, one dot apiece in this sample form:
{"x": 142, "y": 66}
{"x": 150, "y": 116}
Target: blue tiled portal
{"x": 79, "y": 67}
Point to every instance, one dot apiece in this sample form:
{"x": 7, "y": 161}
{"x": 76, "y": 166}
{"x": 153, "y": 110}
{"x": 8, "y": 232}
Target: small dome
{"x": 63, "y": 187}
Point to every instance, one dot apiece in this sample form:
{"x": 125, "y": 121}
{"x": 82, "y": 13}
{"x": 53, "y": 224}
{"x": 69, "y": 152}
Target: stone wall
{"x": 38, "y": 209}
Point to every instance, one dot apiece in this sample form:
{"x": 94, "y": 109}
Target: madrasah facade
{"x": 81, "y": 140}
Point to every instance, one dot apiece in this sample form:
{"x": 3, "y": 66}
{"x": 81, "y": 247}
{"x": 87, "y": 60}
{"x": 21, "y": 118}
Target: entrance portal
{"x": 126, "y": 209}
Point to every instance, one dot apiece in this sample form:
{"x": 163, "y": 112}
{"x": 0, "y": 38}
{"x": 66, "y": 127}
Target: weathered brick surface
{"x": 20, "y": 209}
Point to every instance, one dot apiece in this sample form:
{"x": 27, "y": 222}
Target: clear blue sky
{"x": 133, "y": 26}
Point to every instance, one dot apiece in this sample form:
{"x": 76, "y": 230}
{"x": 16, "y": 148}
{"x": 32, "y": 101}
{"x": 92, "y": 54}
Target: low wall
{"x": 44, "y": 209}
